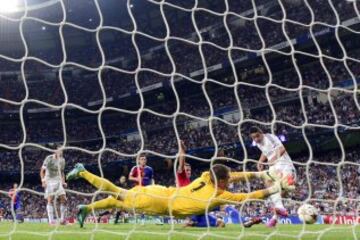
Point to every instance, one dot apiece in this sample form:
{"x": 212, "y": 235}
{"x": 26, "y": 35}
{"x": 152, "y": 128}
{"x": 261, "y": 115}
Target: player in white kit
{"x": 280, "y": 166}
{"x": 53, "y": 181}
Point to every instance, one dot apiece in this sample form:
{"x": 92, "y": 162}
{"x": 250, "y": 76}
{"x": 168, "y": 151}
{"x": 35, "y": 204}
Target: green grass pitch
{"x": 39, "y": 231}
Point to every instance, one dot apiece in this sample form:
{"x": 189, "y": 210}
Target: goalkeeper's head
{"x": 220, "y": 175}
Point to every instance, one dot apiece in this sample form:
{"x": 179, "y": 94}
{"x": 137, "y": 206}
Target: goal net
{"x": 108, "y": 80}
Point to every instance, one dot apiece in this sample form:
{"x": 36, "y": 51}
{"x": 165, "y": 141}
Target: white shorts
{"x": 280, "y": 171}
{"x": 54, "y": 188}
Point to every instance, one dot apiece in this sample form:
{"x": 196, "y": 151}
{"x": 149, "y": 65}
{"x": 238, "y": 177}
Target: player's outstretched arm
{"x": 246, "y": 176}
{"x": 182, "y": 157}
{"x": 229, "y": 197}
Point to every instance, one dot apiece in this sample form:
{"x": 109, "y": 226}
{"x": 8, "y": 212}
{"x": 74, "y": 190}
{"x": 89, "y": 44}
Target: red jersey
{"x": 182, "y": 179}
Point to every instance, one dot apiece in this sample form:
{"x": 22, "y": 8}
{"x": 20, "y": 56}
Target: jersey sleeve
{"x": 133, "y": 171}
{"x": 234, "y": 198}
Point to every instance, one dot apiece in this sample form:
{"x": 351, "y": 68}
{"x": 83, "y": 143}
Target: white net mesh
{"x": 111, "y": 79}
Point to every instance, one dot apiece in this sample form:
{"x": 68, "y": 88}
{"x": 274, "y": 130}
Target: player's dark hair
{"x": 255, "y": 129}
{"x": 219, "y": 172}
{"x": 142, "y": 155}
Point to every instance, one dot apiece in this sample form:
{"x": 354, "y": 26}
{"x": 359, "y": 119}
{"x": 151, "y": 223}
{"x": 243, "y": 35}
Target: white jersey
{"x": 269, "y": 147}
{"x": 53, "y": 168}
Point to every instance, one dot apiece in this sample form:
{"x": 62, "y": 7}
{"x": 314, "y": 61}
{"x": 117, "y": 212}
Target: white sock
{"x": 276, "y": 199}
{"x": 50, "y": 212}
{"x": 62, "y": 212}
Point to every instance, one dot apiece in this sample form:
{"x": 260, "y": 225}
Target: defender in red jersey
{"x": 183, "y": 176}
{"x": 183, "y": 173}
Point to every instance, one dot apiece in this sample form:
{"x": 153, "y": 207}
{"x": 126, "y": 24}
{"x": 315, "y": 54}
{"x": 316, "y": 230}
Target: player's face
{"x": 257, "y": 137}
{"x": 142, "y": 161}
{"x": 188, "y": 171}
{"x": 58, "y": 153}
{"x": 15, "y": 185}
{"x": 223, "y": 183}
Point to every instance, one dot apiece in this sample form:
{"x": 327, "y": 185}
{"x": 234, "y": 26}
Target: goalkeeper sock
{"x": 62, "y": 212}
{"x": 50, "y": 212}
{"x": 101, "y": 183}
{"x": 106, "y": 203}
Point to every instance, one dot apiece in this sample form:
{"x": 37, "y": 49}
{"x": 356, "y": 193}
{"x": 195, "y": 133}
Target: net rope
{"x": 210, "y": 120}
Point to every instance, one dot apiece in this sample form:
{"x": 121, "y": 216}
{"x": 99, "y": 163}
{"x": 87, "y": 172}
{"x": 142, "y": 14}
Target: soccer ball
{"x": 308, "y": 213}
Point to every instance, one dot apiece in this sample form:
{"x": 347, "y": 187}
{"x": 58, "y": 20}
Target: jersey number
{"x": 202, "y": 184}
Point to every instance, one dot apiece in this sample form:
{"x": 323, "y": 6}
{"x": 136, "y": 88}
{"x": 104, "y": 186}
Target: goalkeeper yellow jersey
{"x": 193, "y": 199}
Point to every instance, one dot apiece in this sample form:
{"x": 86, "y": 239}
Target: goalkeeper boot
{"x": 74, "y": 174}
{"x": 81, "y": 214}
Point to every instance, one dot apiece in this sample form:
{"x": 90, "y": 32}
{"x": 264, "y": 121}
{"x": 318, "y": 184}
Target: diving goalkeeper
{"x": 205, "y": 192}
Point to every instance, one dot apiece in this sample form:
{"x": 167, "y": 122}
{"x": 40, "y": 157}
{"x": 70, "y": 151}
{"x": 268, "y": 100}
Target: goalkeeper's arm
{"x": 228, "y": 197}
{"x": 235, "y": 198}
{"x": 246, "y": 176}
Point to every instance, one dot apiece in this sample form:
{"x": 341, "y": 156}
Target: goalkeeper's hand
{"x": 286, "y": 183}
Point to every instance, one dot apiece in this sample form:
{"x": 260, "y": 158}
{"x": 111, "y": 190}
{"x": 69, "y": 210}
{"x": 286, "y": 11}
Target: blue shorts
{"x": 200, "y": 220}
{"x": 17, "y": 206}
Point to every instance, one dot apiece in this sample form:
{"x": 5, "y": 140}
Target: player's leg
{"x": 50, "y": 209}
{"x": 117, "y": 216}
{"x": 100, "y": 183}
{"x": 18, "y": 212}
{"x": 107, "y": 203}
{"x": 101, "y": 215}
{"x": 276, "y": 199}
{"x": 63, "y": 209}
